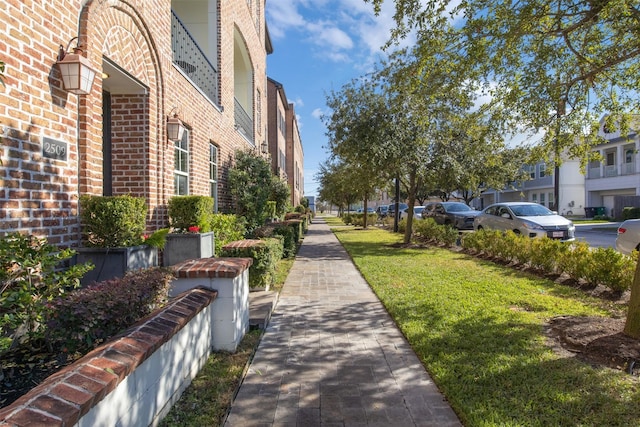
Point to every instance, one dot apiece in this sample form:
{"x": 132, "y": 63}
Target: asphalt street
{"x": 598, "y": 235}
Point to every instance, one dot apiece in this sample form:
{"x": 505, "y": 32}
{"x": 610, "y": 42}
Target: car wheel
{"x": 516, "y": 231}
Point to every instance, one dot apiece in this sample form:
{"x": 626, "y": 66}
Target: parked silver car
{"x": 417, "y": 212}
{"x": 528, "y": 219}
{"x": 628, "y": 239}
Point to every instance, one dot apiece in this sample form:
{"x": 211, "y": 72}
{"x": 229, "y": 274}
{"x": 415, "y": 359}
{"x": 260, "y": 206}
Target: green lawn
{"x": 478, "y": 328}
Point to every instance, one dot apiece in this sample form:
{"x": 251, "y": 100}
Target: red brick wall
{"x": 40, "y": 195}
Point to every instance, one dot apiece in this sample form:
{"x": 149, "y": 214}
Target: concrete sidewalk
{"x": 332, "y": 356}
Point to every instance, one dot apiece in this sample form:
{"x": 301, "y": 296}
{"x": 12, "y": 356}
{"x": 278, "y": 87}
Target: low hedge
{"x": 287, "y": 232}
{"x": 428, "y": 229}
{"x": 357, "y": 219}
{"x": 296, "y": 226}
{"x": 265, "y": 253}
{"x": 82, "y": 319}
{"x": 630, "y": 213}
{"x": 227, "y": 228}
{"x": 596, "y": 266}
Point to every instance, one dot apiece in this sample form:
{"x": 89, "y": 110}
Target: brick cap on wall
{"x": 211, "y": 267}
{"x": 64, "y": 397}
{"x": 246, "y": 243}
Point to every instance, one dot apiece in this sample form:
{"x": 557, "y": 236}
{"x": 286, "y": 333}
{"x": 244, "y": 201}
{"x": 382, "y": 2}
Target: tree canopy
{"x": 555, "y": 65}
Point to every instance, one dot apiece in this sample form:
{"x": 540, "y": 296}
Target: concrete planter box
{"x": 183, "y": 246}
{"x": 115, "y": 262}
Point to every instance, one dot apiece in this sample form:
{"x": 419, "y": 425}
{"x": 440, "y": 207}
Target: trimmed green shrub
{"x": 296, "y": 226}
{"x": 279, "y": 230}
{"x": 428, "y": 229}
{"x": 112, "y": 221}
{"x": 186, "y": 212}
{"x": 357, "y": 219}
{"x": 610, "y": 268}
{"x": 289, "y": 242}
{"x": 630, "y": 213}
{"x": 597, "y": 266}
{"x": 265, "y": 254}
{"x": 30, "y": 277}
{"x": 86, "y": 317}
{"x": 227, "y": 228}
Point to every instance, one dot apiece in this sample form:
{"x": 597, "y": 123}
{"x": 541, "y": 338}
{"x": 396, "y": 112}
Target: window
{"x": 532, "y": 171}
{"x": 611, "y": 157}
{"x": 551, "y": 200}
{"x": 213, "y": 175}
{"x": 181, "y": 172}
{"x": 542, "y": 199}
{"x": 534, "y": 198}
{"x": 543, "y": 170}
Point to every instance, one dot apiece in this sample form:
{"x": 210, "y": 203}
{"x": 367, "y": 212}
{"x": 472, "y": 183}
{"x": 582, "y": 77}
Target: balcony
{"x": 244, "y": 123}
{"x": 188, "y": 56}
{"x": 611, "y": 170}
{"x": 629, "y": 168}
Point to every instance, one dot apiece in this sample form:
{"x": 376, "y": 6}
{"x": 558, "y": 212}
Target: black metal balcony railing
{"x": 189, "y": 57}
{"x": 243, "y": 121}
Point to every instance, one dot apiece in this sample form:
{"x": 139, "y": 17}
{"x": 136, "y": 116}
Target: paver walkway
{"x": 332, "y": 356}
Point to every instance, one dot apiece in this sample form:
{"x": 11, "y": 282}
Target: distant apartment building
{"x": 277, "y": 142}
{"x": 539, "y": 188}
{"x": 197, "y": 64}
{"x": 285, "y": 144}
{"x": 613, "y": 180}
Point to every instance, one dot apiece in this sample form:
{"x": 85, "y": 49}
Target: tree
{"x": 281, "y": 194}
{"x": 252, "y": 184}
{"x": 474, "y": 157}
{"x": 554, "y": 63}
{"x": 357, "y": 128}
{"x": 334, "y": 186}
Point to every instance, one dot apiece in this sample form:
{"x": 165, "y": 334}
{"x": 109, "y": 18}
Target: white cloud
{"x": 282, "y": 16}
{"x": 317, "y": 113}
{"x": 297, "y": 102}
{"x": 340, "y": 30}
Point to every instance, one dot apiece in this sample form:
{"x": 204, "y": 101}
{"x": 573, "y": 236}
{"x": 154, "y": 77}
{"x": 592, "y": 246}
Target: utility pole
{"x": 556, "y": 171}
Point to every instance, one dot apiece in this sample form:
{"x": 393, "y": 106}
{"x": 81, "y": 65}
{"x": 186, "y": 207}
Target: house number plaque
{"x": 54, "y": 149}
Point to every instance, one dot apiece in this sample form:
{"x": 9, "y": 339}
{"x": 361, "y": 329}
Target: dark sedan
{"x": 456, "y": 214}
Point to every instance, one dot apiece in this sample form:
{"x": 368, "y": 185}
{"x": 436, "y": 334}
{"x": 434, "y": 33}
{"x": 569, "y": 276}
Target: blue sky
{"x": 320, "y": 45}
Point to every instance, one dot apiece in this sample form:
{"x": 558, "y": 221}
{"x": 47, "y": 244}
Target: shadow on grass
{"x": 500, "y": 373}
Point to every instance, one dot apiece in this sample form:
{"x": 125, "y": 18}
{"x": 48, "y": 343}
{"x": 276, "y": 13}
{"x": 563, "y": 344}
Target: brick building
{"x": 204, "y": 61}
{"x": 295, "y": 157}
{"x": 285, "y": 145}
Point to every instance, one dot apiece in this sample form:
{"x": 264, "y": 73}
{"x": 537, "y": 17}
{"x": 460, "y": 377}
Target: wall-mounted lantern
{"x": 175, "y": 128}
{"x": 264, "y": 147}
{"x": 76, "y": 70}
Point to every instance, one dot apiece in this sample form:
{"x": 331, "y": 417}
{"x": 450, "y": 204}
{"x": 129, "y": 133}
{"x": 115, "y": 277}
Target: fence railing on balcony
{"x": 629, "y": 168}
{"x": 192, "y": 61}
{"x": 243, "y": 121}
{"x": 611, "y": 171}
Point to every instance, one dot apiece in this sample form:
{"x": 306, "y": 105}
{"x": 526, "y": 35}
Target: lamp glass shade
{"x": 77, "y": 74}
{"x": 264, "y": 147}
{"x": 175, "y": 129}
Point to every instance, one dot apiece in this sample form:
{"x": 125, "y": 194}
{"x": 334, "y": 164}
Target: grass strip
{"x": 207, "y": 400}
{"x": 478, "y": 329}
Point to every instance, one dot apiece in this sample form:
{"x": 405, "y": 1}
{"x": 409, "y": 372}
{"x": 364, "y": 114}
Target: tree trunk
{"x": 366, "y": 214}
{"x": 411, "y": 202}
{"x": 632, "y": 325}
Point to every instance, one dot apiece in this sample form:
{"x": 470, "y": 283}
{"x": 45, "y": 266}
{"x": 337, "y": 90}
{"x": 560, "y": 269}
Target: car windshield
{"x": 530, "y": 210}
{"x": 457, "y": 207}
